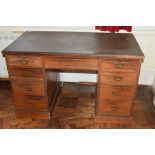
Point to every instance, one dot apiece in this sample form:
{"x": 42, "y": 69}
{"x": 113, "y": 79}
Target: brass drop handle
{"x": 114, "y": 108}
{"x": 119, "y": 65}
{"x": 30, "y": 101}
{"x": 28, "y": 88}
{"x": 116, "y": 93}
{"x": 118, "y": 78}
{"x": 24, "y": 62}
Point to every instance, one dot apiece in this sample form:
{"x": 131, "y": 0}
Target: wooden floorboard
{"x": 74, "y": 110}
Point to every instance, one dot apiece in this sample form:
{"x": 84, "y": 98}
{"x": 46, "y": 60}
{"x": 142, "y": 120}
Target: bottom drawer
{"x": 33, "y": 114}
{"x": 114, "y": 108}
{"x": 31, "y": 102}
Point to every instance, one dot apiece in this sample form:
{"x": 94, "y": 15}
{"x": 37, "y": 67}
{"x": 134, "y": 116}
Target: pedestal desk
{"x": 35, "y": 60}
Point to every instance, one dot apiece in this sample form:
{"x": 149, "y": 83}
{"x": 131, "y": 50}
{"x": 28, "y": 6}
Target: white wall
{"x": 146, "y": 41}
{"x": 154, "y": 89}
{"x": 145, "y": 35}
{"x": 153, "y": 83}
{"x": 5, "y": 40}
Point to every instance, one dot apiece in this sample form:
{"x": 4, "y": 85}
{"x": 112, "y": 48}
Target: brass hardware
{"x": 28, "y": 88}
{"x": 114, "y": 108}
{"x": 116, "y": 93}
{"x": 118, "y": 78}
{"x": 30, "y": 102}
{"x": 24, "y": 62}
{"x": 119, "y": 65}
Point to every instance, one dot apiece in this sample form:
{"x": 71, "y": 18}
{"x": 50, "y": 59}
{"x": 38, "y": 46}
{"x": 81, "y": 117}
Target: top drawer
{"x": 24, "y": 61}
{"x": 119, "y": 65}
{"x": 71, "y": 63}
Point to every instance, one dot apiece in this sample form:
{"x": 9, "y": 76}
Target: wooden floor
{"x": 74, "y": 109}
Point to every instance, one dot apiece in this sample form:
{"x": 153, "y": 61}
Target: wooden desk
{"x": 35, "y": 59}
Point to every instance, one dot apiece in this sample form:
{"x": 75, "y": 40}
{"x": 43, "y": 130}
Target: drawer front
{"x": 114, "y": 108}
{"x": 24, "y": 61}
{"x": 42, "y": 115}
{"x": 119, "y": 65}
{"x": 26, "y": 72}
{"x": 28, "y": 86}
{"x": 69, "y": 63}
{"x": 126, "y": 78}
{"x": 108, "y": 92}
{"x": 31, "y": 102}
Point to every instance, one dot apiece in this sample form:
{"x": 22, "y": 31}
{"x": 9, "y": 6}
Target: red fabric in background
{"x": 113, "y": 28}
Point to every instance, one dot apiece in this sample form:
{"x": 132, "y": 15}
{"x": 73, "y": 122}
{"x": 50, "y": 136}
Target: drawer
{"x": 114, "y": 108}
{"x": 108, "y": 92}
{"x": 28, "y": 86}
{"x": 26, "y": 72}
{"x": 24, "y": 61}
{"x": 31, "y": 102}
{"x": 71, "y": 63}
{"x": 41, "y": 115}
{"x": 119, "y": 65}
{"x": 123, "y": 78}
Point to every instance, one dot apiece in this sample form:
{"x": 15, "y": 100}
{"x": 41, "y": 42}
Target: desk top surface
{"x": 76, "y": 43}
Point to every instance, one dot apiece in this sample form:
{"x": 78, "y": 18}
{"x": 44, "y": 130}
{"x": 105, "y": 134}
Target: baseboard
{"x": 144, "y": 85}
{"x": 152, "y": 89}
{"x": 4, "y": 79}
{"x": 153, "y": 92}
